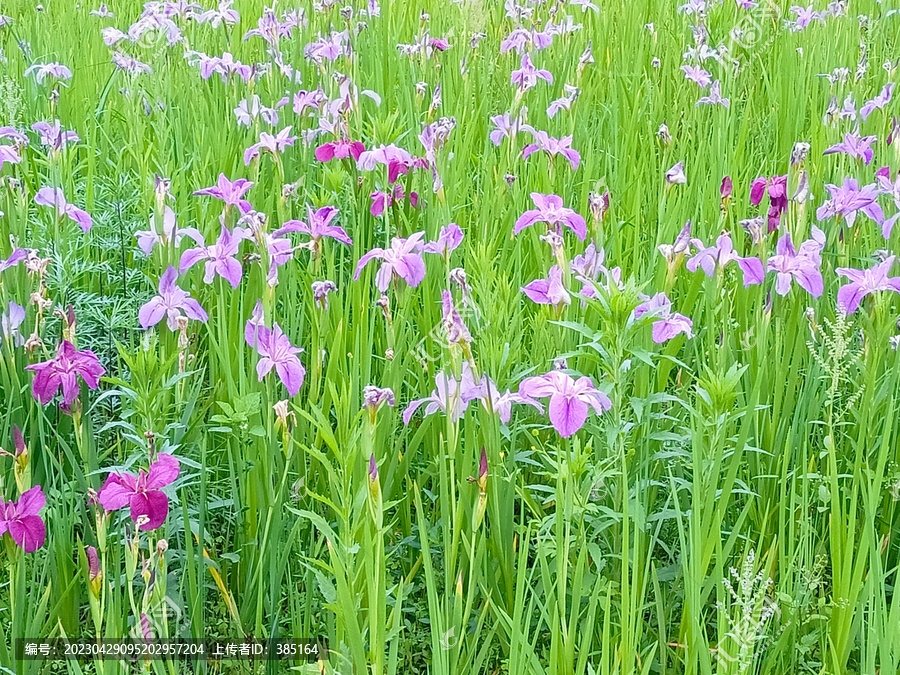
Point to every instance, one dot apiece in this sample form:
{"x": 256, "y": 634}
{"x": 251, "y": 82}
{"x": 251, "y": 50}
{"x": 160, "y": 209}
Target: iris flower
{"x": 570, "y": 400}
{"x": 552, "y": 146}
{"x": 854, "y": 146}
{"x": 55, "y": 197}
{"x": 865, "y": 282}
{"x": 170, "y": 303}
{"x": 21, "y": 520}
{"x": 219, "y": 257}
{"x": 669, "y": 323}
{"x": 269, "y": 143}
{"x": 549, "y": 291}
{"x": 231, "y": 193}
{"x": 403, "y": 259}
{"x": 849, "y": 199}
{"x": 148, "y": 504}
{"x": 709, "y": 258}
{"x": 801, "y": 266}
{"x": 62, "y": 371}
{"x": 550, "y": 210}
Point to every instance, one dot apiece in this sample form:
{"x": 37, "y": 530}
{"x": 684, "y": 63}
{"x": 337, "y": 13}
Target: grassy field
{"x": 543, "y": 338}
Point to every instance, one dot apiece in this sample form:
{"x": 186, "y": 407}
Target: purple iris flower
{"x": 565, "y": 102}
{"x": 55, "y": 197}
{"x": 340, "y": 149}
{"x": 231, "y": 193}
{"x": 170, "y": 303}
{"x": 17, "y": 136}
{"x": 883, "y": 178}
{"x": 308, "y": 99}
{"x": 674, "y": 252}
{"x": 570, "y": 400}
{"x": 589, "y": 267}
{"x": 549, "y": 291}
{"x": 382, "y": 200}
{"x": 10, "y": 321}
{"x": 403, "y": 259}
{"x": 877, "y": 103}
{"x": 450, "y": 395}
{"x": 54, "y": 136}
{"x": 848, "y": 199}
{"x": 276, "y": 351}
{"x": 147, "y": 239}
{"x": 507, "y": 128}
{"x": 865, "y": 282}
{"x": 675, "y": 175}
{"x": 552, "y": 146}
{"x": 715, "y": 97}
{"x": 375, "y": 397}
{"x": 250, "y": 109}
{"x": 224, "y": 14}
{"x": 320, "y": 290}
{"x": 17, "y": 256}
{"x": 805, "y": 16}
{"x": 669, "y": 323}
{"x": 269, "y": 143}
{"x": 801, "y": 266}
{"x": 148, "y": 504}
{"x": 776, "y": 187}
{"x": 550, "y": 210}
{"x": 319, "y": 226}
{"x": 448, "y": 241}
{"x": 9, "y": 155}
{"x": 454, "y": 327}
{"x": 697, "y": 75}
{"x": 219, "y": 257}
{"x": 43, "y": 70}
{"x": 708, "y": 258}
{"x": 854, "y": 146}
{"x": 225, "y": 66}
{"x": 129, "y": 64}
{"x": 501, "y": 404}
{"x": 279, "y": 249}
{"x": 63, "y": 371}
{"x": 21, "y": 520}
{"x": 527, "y": 75}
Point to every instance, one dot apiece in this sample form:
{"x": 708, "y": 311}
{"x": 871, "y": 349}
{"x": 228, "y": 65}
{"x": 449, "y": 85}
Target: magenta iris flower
{"x": 142, "y": 493}
{"x": 709, "y": 258}
{"x": 570, "y": 400}
{"x": 232, "y": 193}
{"x": 549, "y": 291}
{"x": 21, "y": 520}
{"x": 848, "y": 200}
{"x": 340, "y": 149}
{"x": 527, "y": 75}
{"x": 382, "y": 200}
{"x": 269, "y": 143}
{"x": 170, "y": 303}
{"x": 448, "y": 241}
{"x": 552, "y": 146}
{"x": 9, "y": 155}
{"x": 853, "y": 145}
{"x": 62, "y": 371}
{"x": 403, "y": 259}
{"x": 53, "y": 136}
{"x": 550, "y": 210}
{"x": 147, "y": 239}
{"x": 877, "y": 103}
{"x": 669, "y": 324}
{"x": 44, "y": 70}
{"x": 776, "y": 187}
{"x": 219, "y": 257}
{"x": 450, "y": 396}
{"x": 801, "y": 266}
{"x": 865, "y": 282}
{"x": 318, "y": 226}
{"x": 48, "y": 196}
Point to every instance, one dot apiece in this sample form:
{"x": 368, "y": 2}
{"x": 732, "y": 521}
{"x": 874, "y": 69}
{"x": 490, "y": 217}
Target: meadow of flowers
{"x": 471, "y": 336}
